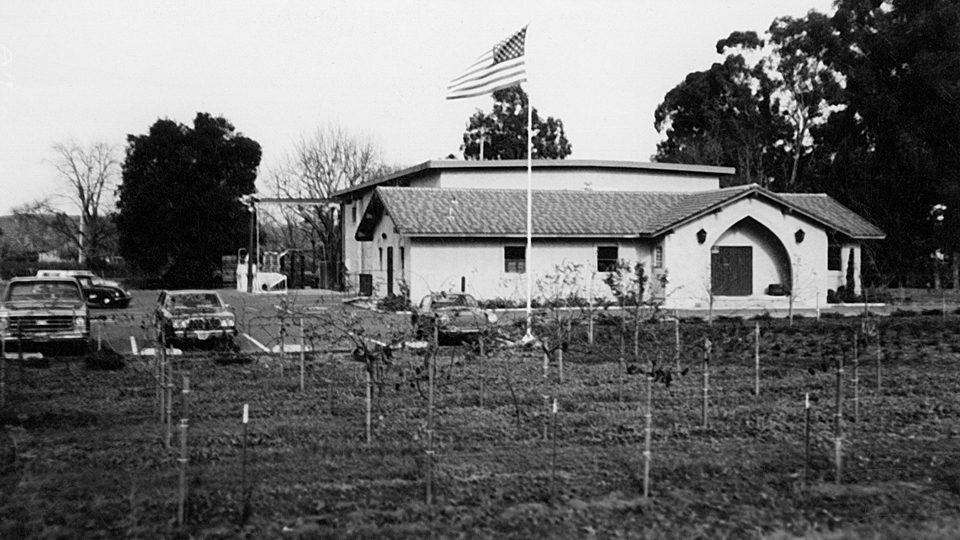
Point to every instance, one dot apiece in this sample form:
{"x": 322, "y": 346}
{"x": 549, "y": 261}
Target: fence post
{"x": 856, "y": 379}
{"x": 184, "y": 456}
{"x": 303, "y": 354}
{"x": 167, "y": 369}
{"x": 806, "y": 438}
{"x": 243, "y": 451}
{"x": 879, "y": 356}
{"x": 756, "y": 357}
{"x": 676, "y": 338}
{"x": 560, "y": 364}
{"x": 369, "y": 398}
{"x": 838, "y": 422}
{"x": 553, "y": 456}
{"x": 546, "y": 391}
{"x": 483, "y": 359}
{"x": 707, "y": 345}
{"x": 430, "y": 357}
{"x": 649, "y": 429}
{"x": 3, "y": 368}
{"x": 283, "y": 332}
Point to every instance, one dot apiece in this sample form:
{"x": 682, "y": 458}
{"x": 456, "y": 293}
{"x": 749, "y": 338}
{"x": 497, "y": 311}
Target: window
{"x": 380, "y": 254}
{"x": 515, "y": 259}
{"x": 658, "y": 257}
{"x": 833, "y": 257}
{"x": 353, "y": 213}
{"x": 402, "y": 261}
{"x": 607, "y": 258}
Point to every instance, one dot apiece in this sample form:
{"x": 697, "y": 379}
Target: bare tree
{"x": 320, "y": 164}
{"x": 87, "y": 175}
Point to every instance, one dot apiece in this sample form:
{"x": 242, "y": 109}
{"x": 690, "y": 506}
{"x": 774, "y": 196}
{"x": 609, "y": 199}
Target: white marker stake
{"x": 246, "y": 413}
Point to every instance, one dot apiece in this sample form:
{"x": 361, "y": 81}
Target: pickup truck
{"x": 44, "y": 314}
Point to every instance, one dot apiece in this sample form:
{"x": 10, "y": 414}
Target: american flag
{"x": 502, "y": 66}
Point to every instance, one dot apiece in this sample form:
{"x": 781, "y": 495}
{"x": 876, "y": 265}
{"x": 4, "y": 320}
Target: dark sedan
{"x": 98, "y": 292}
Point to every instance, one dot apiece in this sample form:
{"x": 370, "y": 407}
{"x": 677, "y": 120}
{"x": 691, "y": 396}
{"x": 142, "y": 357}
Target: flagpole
{"x": 529, "y": 261}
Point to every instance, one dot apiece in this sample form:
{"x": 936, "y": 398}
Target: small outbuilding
{"x": 461, "y": 226}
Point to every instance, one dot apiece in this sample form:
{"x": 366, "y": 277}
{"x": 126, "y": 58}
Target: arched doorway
{"x": 746, "y": 259}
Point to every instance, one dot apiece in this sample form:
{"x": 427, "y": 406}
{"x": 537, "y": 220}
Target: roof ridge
{"x": 523, "y": 190}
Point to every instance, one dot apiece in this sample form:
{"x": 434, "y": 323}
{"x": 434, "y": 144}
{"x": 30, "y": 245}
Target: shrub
{"x": 393, "y": 302}
{"x": 104, "y": 360}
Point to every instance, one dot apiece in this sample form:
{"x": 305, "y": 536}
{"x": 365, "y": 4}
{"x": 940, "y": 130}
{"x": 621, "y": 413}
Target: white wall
{"x": 838, "y": 278}
{"x": 437, "y": 264}
{"x": 574, "y": 179}
{"x": 688, "y": 262}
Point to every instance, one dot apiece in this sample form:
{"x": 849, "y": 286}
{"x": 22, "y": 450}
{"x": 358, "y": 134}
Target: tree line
{"x": 863, "y": 104}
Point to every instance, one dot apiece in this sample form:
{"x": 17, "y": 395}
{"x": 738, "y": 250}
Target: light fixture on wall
{"x": 800, "y": 235}
{"x": 701, "y": 236}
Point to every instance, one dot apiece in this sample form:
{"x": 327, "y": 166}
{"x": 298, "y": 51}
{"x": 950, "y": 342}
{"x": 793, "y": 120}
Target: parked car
{"x": 44, "y": 314}
{"x": 195, "y": 316}
{"x": 98, "y": 292}
{"x": 455, "y": 314}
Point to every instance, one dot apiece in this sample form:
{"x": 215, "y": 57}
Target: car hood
{"x": 36, "y": 305}
{"x": 197, "y": 312}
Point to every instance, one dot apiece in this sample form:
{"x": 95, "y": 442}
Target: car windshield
{"x": 85, "y": 281}
{"x": 43, "y": 290}
{"x": 454, "y": 300}
{"x": 197, "y": 300}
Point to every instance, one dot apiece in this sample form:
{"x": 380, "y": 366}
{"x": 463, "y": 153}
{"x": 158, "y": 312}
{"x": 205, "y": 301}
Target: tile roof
{"x": 828, "y": 210}
{"x": 501, "y": 212}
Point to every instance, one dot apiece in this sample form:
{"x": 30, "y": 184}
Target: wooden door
{"x": 731, "y": 271}
{"x": 389, "y": 271}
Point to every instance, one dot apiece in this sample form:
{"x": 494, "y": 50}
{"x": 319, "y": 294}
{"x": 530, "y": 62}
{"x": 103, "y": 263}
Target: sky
{"x": 99, "y": 70}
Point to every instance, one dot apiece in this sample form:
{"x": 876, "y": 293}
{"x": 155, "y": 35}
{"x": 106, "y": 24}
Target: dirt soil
{"x": 83, "y": 451}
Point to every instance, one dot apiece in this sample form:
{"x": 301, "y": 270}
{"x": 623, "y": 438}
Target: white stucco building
{"x": 461, "y": 225}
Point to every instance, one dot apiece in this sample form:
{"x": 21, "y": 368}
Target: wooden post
{"x": 546, "y": 392}
{"x": 184, "y": 456}
{"x": 856, "y": 380}
{"x": 3, "y": 368}
{"x": 879, "y": 356}
{"x": 560, "y": 365}
{"x": 330, "y": 387}
{"x": 243, "y": 452}
{"x": 756, "y": 358}
{"x": 99, "y": 337}
{"x": 706, "y": 378}
{"x": 590, "y": 325}
{"x": 553, "y": 456}
{"x": 620, "y": 365}
{"x": 167, "y": 367}
{"x": 431, "y": 364}
{"x": 303, "y": 355}
{"x": 806, "y": 438}
{"x": 369, "y": 400}
{"x": 483, "y": 359}
{"x": 160, "y": 360}
{"x": 838, "y": 423}
{"x": 283, "y": 332}
{"x": 590, "y": 312}
{"x": 648, "y": 431}
{"x": 676, "y": 338}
